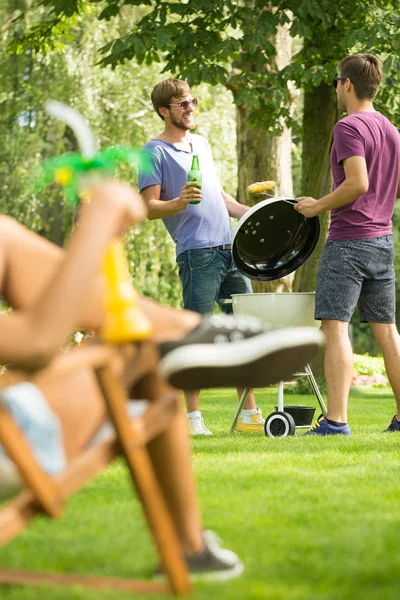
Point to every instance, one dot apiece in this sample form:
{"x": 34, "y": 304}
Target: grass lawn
{"x": 312, "y": 518}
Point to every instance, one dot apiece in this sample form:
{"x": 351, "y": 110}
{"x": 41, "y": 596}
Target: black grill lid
{"x": 272, "y": 240}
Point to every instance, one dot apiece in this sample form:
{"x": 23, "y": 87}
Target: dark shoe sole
{"x": 308, "y": 433}
{"x": 199, "y": 576}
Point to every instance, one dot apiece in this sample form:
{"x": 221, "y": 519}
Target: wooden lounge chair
{"x": 49, "y": 494}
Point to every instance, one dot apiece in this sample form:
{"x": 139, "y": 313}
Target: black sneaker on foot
{"x": 322, "y": 427}
{"x": 237, "y": 351}
{"x": 213, "y": 564}
{"x": 394, "y": 425}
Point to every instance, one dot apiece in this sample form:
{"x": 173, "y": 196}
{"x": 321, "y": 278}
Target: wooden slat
{"x": 46, "y": 492}
{"x": 143, "y": 476}
{"x": 19, "y": 577}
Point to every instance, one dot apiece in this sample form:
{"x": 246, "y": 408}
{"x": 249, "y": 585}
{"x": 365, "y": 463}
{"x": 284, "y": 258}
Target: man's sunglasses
{"x": 335, "y": 81}
{"x": 184, "y": 105}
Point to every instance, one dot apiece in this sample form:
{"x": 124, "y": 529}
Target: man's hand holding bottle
{"x": 190, "y": 194}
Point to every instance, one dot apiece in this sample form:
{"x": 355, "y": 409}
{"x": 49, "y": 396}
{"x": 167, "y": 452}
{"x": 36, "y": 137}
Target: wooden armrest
{"x": 92, "y": 356}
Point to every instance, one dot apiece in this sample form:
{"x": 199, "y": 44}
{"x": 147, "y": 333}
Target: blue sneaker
{"x": 394, "y": 425}
{"x": 322, "y": 427}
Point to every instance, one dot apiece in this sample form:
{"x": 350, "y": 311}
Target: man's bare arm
{"x": 235, "y": 209}
{"x": 160, "y": 209}
{"x": 355, "y": 185}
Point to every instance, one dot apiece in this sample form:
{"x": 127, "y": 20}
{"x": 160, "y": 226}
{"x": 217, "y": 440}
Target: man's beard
{"x": 181, "y": 124}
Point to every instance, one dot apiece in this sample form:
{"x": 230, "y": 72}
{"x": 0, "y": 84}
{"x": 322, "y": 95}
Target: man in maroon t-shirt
{"x": 356, "y": 267}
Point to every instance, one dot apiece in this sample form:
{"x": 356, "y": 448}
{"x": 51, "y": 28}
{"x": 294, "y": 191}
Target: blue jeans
{"x": 209, "y": 276}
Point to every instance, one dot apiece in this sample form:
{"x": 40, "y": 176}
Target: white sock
{"x": 195, "y": 413}
{"x": 247, "y": 412}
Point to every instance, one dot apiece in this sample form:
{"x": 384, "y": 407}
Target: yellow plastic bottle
{"x": 124, "y": 321}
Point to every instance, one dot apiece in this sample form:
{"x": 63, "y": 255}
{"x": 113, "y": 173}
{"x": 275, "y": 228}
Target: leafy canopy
{"x": 232, "y": 42}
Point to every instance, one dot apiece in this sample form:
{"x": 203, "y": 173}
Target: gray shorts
{"x": 357, "y": 273}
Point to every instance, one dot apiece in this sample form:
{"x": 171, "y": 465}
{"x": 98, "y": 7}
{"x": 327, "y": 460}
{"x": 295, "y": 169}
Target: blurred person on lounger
{"x": 52, "y": 292}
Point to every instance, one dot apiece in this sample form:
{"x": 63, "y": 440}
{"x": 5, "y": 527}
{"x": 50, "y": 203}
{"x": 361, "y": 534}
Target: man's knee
{"x": 333, "y": 328}
{"x": 385, "y": 332}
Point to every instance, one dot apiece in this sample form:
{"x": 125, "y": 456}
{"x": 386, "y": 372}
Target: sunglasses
{"x": 184, "y": 105}
{"x": 335, "y": 81}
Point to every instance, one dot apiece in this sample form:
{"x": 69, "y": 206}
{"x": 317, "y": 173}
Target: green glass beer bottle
{"x": 195, "y": 175}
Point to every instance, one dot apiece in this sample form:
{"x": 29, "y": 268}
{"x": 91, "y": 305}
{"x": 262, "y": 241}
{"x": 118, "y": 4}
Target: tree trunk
{"x": 262, "y": 156}
{"x": 320, "y": 115}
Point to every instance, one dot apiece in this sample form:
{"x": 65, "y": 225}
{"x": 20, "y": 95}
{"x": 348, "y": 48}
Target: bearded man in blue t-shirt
{"x": 202, "y": 232}
{"x": 356, "y": 267}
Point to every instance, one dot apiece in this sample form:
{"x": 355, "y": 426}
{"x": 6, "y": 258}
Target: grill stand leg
{"x": 280, "y": 396}
{"x": 315, "y": 388}
{"x": 239, "y": 409}
{"x": 312, "y": 382}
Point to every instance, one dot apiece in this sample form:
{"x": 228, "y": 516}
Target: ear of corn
{"x": 260, "y": 186}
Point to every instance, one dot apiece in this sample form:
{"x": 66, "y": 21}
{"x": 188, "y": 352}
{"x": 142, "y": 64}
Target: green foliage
{"x": 231, "y": 43}
{"x": 364, "y": 364}
{"x": 362, "y": 337}
{"x": 212, "y": 38}
{"x": 302, "y": 387}
{"x": 117, "y": 105}
{"x": 343, "y": 28}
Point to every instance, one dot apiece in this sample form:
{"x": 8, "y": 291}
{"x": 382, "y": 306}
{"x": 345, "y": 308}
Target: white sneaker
{"x": 250, "y": 422}
{"x": 196, "y": 424}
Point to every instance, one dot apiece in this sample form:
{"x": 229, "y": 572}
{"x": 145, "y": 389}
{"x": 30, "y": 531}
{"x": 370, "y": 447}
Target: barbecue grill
{"x": 273, "y": 240}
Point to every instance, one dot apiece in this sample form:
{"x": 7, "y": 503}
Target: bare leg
{"x": 250, "y": 400}
{"x": 27, "y": 261}
{"x": 169, "y": 323}
{"x": 192, "y": 400}
{"x": 338, "y": 368}
{"x": 389, "y": 342}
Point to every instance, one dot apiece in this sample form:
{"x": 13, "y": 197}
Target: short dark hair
{"x": 365, "y": 72}
{"x": 164, "y": 91}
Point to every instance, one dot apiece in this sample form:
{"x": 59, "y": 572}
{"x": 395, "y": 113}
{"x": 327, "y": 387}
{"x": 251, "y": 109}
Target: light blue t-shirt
{"x": 199, "y": 225}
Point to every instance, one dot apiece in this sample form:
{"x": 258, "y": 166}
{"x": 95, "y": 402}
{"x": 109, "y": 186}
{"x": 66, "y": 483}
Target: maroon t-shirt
{"x": 371, "y": 135}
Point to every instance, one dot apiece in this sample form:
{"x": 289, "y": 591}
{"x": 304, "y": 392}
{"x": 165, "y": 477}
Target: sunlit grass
{"x": 312, "y": 518}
